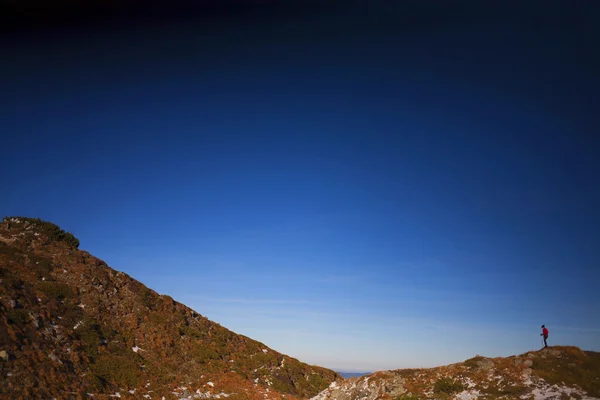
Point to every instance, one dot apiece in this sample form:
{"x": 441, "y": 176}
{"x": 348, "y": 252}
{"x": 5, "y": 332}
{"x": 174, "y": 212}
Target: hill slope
{"x": 71, "y": 325}
{"x": 556, "y": 372}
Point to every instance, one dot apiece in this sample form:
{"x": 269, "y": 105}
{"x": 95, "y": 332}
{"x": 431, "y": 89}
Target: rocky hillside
{"x": 72, "y": 327}
{"x": 552, "y": 373}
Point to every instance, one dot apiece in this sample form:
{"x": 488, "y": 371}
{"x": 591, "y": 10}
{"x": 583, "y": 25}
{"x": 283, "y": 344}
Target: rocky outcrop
{"x": 556, "y": 372}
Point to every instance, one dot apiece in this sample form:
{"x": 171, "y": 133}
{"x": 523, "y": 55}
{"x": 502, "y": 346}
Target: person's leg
{"x": 545, "y": 343}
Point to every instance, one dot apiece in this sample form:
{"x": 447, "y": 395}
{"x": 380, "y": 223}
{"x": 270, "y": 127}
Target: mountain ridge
{"x": 557, "y": 372}
{"x": 72, "y": 325}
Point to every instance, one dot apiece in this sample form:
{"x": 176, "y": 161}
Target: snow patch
{"x": 468, "y": 395}
{"x": 201, "y": 395}
{"x": 470, "y": 384}
{"x": 210, "y": 384}
{"x": 136, "y": 349}
{"x": 551, "y": 392}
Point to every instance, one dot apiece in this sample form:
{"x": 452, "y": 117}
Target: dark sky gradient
{"x": 410, "y": 153}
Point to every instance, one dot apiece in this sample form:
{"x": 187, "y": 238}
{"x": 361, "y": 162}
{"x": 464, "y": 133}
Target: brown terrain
{"x": 558, "y": 372}
{"x": 71, "y": 327}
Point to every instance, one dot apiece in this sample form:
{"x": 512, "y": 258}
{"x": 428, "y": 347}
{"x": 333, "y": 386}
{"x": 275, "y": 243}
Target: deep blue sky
{"x": 359, "y": 188}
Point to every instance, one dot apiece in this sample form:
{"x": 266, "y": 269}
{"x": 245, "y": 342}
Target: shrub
{"x": 189, "y": 331}
{"x": 555, "y": 370}
{"x": 204, "y": 354}
{"x": 119, "y": 370}
{"x": 473, "y": 363}
{"x": 408, "y": 396}
{"x": 55, "y": 290}
{"x": 8, "y": 250}
{"x": 448, "y": 386}
{"x": 148, "y": 297}
{"x": 317, "y": 381}
{"x": 42, "y": 267}
{"x": 47, "y": 228}
{"x": 18, "y": 316}
{"x": 90, "y": 333}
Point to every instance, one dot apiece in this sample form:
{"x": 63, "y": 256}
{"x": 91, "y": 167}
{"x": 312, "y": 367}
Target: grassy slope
{"x": 69, "y": 324}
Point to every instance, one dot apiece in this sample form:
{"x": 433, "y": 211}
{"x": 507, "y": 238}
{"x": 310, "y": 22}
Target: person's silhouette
{"x": 545, "y": 335}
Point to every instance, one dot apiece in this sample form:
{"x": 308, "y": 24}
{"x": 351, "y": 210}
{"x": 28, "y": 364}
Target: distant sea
{"x": 352, "y": 374}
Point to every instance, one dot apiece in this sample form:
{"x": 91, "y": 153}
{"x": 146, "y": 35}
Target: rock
{"x": 54, "y": 358}
{"x": 518, "y": 361}
{"x": 339, "y": 394}
{"x": 554, "y": 352}
{"x": 485, "y": 364}
{"x": 527, "y": 375}
{"x": 4, "y": 355}
{"x": 34, "y": 320}
{"x": 527, "y": 363}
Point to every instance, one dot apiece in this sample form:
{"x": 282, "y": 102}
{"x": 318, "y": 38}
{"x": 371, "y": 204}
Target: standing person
{"x": 545, "y": 335}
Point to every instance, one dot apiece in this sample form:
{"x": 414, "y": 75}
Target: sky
{"x": 363, "y": 187}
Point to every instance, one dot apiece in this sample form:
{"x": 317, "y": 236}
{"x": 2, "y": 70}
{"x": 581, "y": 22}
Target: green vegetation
{"x": 473, "y": 363}
{"x": 148, "y": 297}
{"x": 573, "y": 367}
{"x": 282, "y": 384}
{"x": 317, "y": 381}
{"x": 42, "y": 266}
{"x": 56, "y": 290}
{"x": 8, "y": 250}
{"x": 17, "y": 316}
{"x": 91, "y": 334}
{"x": 49, "y": 229}
{"x": 98, "y": 316}
{"x": 203, "y": 354}
{"x": 511, "y": 391}
{"x": 116, "y": 369}
{"x": 187, "y": 330}
{"x": 447, "y": 386}
{"x": 407, "y": 372}
{"x": 6, "y": 278}
{"x": 408, "y": 396}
